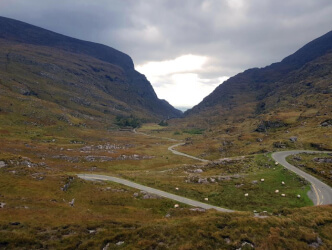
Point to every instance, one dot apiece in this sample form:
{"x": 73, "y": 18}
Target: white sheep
{"x": 277, "y": 191}
{"x": 176, "y": 205}
{"x": 283, "y": 195}
{"x": 246, "y": 194}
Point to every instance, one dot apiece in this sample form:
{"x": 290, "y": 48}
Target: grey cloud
{"x": 263, "y": 32}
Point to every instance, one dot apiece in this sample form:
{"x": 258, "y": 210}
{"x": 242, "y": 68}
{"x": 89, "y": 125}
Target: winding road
{"x": 171, "y": 148}
{"x": 322, "y": 192}
{"x": 92, "y": 177}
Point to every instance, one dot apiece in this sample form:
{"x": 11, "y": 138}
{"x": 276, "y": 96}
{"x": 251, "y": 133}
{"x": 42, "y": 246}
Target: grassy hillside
{"x": 60, "y": 111}
{"x": 283, "y": 106}
{"x": 82, "y": 76}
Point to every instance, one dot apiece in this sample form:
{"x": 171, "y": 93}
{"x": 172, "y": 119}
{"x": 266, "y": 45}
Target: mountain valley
{"x": 71, "y": 108}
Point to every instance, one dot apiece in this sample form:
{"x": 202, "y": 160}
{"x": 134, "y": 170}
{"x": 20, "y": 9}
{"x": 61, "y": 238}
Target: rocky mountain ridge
{"x": 72, "y": 73}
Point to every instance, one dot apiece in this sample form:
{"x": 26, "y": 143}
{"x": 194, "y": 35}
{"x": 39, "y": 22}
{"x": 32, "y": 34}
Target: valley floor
{"x": 45, "y": 205}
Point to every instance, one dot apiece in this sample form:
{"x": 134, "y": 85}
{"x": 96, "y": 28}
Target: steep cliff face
{"x": 80, "y": 75}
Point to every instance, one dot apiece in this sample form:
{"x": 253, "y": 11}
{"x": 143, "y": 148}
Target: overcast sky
{"x": 186, "y": 48}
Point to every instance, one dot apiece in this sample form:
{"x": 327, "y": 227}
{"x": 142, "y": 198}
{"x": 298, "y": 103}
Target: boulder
{"x": 119, "y": 243}
{"x": 72, "y": 202}
{"x": 3, "y": 164}
{"x": 323, "y": 160}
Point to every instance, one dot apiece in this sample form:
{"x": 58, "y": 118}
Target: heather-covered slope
{"x": 262, "y": 109}
{"x": 85, "y": 77}
{"x": 312, "y": 60}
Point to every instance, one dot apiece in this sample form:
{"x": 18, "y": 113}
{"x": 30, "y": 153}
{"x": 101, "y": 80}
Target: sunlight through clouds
{"x": 175, "y": 81}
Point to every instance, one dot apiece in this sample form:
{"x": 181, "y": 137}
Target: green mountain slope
{"x": 261, "y": 108}
{"x": 86, "y": 79}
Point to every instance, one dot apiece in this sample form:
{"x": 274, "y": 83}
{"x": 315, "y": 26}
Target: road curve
{"x": 322, "y": 192}
{"x": 92, "y": 177}
{"x": 171, "y": 148}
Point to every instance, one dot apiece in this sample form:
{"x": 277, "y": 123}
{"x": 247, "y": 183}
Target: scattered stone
{"x": 92, "y": 231}
{"x": 323, "y": 160}
{"x": 71, "y": 203}
{"x": 297, "y": 158}
{"x": 227, "y": 240}
{"x": 326, "y": 123}
{"x": 265, "y": 125}
{"x": 119, "y": 243}
{"x": 15, "y": 223}
{"x": 202, "y": 181}
{"x": 106, "y": 247}
{"x": 198, "y": 209}
{"x": 66, "y": 186}
{"x": 259, "y": 139}
{"x": 198, "y": 170}
{"x": 247, "y": 245}
{"x": 147, "y": 195}
{"x": 293, "y": 138}
{"x": 239, "y": 185}
{"x": 246, "y": 194}
{"x": 3, "y": 164}
{"x": 316, "y": 244}
{"x": 167, "y": 215}
{"x": 2, "y": 204}
{"x": 254, "y": 182}
{"x": 135, "y": 195}
{"x": 279, "y": 145}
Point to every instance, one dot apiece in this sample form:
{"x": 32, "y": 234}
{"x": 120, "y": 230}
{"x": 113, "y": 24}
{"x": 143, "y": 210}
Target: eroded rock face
{"x": 265, "y": 125}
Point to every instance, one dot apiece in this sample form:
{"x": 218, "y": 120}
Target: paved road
{"x": 178, "y": 198}
{"x": 322, "y": 192}
{"x": 171, "y": 148}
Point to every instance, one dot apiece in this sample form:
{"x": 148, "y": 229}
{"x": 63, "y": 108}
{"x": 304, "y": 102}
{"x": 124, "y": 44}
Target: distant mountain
{"x": 261, "y": 108}
{"x": 84, "y": 77}
{"x": 257, "y": 84}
